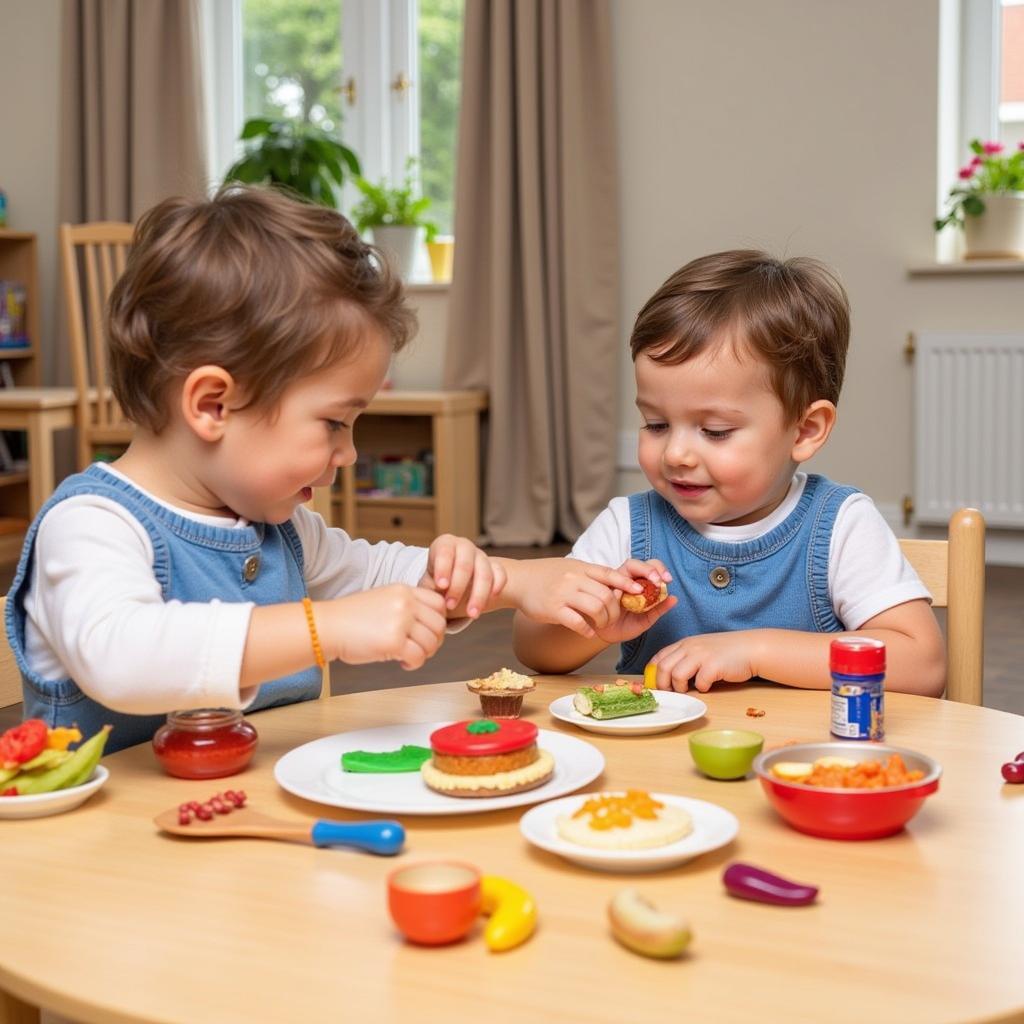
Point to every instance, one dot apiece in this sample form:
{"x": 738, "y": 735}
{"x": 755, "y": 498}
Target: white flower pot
{"x": 999, "y": 232}
{"x": 399, "y": 242}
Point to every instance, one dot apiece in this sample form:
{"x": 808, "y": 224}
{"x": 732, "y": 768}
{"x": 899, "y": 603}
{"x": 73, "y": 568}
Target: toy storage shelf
{"x": 19, "y": 262}
{"x": 446, "y": 423}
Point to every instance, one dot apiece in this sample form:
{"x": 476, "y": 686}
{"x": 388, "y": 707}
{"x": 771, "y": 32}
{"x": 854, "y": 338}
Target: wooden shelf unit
{"x": 19, "y": 262}
{"x": 446, "y": 423}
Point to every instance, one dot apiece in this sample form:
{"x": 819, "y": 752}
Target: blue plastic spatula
{"x": 382, "y": 837}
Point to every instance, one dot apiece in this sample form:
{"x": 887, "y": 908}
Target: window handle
{"x": 402, "y": 84}
{"x": 348, "y": 91}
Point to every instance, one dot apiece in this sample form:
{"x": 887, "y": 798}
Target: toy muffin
{"x": 501, "y": 693}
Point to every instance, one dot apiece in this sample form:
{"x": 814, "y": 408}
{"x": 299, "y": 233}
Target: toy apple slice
{"x": 640, "y": 926}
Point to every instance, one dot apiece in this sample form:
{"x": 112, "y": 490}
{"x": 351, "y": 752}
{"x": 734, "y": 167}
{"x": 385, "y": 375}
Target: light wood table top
{"x": 105, "y": 920}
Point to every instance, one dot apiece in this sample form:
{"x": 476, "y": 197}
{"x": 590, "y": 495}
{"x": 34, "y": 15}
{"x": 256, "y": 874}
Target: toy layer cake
{"x": 484, "y": 757}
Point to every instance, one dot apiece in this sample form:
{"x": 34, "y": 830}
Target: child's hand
{"x": 394, "y": 623}
{"x": 704, "y": 660}
{"x": 623, "y": 625}
{"x": 580, "y": 596}
{"x": 458, "y": 569}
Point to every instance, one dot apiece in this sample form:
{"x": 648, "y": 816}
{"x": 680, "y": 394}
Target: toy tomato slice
{"x": 22, "y": 742}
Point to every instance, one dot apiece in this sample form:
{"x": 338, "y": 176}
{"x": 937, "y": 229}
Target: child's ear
{"x": 205, "y": 401}
{"x": 813, "y": 428}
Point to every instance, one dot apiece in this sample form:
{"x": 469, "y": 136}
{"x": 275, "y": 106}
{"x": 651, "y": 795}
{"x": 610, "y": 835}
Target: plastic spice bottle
{"x": 857, "y": 664}
{"x": 205, "y": 744}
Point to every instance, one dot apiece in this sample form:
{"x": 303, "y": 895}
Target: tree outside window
{"x": 293, "y": 65}
{"x": 291, "y": 55}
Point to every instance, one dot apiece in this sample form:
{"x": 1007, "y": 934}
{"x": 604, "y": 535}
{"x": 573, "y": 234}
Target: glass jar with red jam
{"x": 205, "y": 744}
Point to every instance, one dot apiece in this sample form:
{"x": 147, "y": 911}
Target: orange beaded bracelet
{"x": 318, "y": 651}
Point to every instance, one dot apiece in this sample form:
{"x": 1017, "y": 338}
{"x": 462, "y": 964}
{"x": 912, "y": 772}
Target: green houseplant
{"x": 394, "y": 214}
{"x": 295, "y": 154}
{"x": 988, "y": 202}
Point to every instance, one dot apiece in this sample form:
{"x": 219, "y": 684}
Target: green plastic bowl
{"x": 725, "y": 753}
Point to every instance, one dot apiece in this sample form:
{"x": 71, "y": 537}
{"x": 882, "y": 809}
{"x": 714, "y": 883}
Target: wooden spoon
{"x": 383, "y": 837}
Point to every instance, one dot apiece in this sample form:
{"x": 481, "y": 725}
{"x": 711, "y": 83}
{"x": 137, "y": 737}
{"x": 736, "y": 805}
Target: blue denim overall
{"x": 777, "y": 581}
{"x": 192, "y": 561}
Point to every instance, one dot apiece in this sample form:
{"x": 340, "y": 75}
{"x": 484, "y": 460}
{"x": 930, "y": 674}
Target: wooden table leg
{"x": 40, "y": 460}
{"x": 14, "y": 1011}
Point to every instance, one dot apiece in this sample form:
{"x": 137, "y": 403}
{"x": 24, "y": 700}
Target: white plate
{"x": 713, "y": 826}
{"x": 39, "y": 805}
{"x": 313, "y": 771}
{"x": 673, "y": 710}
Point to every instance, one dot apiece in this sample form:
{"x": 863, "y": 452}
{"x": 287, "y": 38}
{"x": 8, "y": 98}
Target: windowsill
{"x": 1007, "y": 266}
{"x": 427, "y": 286}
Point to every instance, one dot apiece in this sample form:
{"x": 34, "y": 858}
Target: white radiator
{"x": 969, "y": 426}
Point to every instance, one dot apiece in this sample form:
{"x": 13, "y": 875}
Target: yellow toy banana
{"x": 513, "y": 914}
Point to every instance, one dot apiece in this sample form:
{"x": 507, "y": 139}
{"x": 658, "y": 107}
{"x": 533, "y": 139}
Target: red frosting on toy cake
{"x": 510, "y": 735}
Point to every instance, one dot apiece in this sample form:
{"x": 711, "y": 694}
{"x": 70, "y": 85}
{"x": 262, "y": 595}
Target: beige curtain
{"x": 132, "y": 110}
{"x": 534, "y": 313}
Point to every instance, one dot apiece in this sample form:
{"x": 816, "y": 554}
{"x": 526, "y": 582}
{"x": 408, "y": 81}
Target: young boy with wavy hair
{"x": 246, "y": 335}
{"x": 739, "y": 362}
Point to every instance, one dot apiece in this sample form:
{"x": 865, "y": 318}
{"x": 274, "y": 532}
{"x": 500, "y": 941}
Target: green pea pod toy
{"x": 72, "y": 772}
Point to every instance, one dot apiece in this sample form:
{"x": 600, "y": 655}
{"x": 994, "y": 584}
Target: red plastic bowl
{"x": 846, "y": 813}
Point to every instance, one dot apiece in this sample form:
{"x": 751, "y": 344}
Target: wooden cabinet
{"x": 407, "y": 423}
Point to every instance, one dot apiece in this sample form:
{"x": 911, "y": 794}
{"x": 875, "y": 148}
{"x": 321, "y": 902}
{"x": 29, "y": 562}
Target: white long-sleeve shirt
{"x": 95, "y": 612}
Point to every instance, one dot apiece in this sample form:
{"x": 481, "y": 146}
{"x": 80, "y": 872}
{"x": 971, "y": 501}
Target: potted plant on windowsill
{"x": 395, "y": 216}
{"x": 297, "y": 155}
{"x": 988, "y": 203}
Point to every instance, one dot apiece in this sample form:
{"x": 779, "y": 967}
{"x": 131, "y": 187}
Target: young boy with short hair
{"x": 246, "y": 335}
{"x": 739, "y": 361}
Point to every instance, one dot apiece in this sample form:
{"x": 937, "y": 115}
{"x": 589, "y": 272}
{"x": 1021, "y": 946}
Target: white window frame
{"x": 968, "y": 101}
{"x": 381, "y": 125}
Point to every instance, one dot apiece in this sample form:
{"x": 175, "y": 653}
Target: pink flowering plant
{"x": 990, "y": 171}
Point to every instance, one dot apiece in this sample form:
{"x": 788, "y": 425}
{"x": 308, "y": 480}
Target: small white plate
{"x": 39, "y": 805}
{"x": 713, "y": 826}
{"x": 313, "y": 771}
{"x": 673, "y": 710}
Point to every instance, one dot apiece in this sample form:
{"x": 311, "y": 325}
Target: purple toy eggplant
{"x": 753, "y": 883}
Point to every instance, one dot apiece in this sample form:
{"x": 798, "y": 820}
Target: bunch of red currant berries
{"x": 219, "y": 803}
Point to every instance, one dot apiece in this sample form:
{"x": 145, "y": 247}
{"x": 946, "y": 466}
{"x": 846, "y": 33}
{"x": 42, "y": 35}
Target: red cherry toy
{"x": 1013, "y": 771}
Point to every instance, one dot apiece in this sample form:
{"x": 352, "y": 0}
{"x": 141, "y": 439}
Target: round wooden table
{"x": 106, "y": 920}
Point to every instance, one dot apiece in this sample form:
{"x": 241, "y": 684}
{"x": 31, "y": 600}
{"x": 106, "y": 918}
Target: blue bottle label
{"x": 858, "y": 707}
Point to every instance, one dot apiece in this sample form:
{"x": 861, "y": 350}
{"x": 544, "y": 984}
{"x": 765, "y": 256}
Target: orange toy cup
{"x": 434, "y": 902}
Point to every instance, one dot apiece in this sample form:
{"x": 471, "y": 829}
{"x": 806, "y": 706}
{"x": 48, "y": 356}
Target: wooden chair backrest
{"x": 10, "y": 677}
{"x": 94, "y": 254}
{"x": 953, "y": 570}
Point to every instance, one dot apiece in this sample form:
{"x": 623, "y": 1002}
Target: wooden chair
{"x": 954, "y": 571}
{"x": 10, "y": 677}
{"x": 96, "y": 253}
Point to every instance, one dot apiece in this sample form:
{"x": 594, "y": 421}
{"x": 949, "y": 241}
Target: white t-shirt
{"x": 95, "y": 612}
{"x": 867, "y": 572}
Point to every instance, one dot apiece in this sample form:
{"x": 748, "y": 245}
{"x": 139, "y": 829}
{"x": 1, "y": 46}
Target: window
{"x": 981, "y": 86}
{"x": 383, "y": 75}
{"x": 1011, "y": 77}
{"x": 991, "y": 71}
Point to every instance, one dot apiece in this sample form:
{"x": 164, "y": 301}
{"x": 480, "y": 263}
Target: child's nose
{"x": 344, "y": 453}
{"x": 679, "y": 450}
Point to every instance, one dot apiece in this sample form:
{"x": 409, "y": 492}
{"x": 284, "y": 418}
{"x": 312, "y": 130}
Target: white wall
{"x": 420, "y": 365}
{"x": 30, "y": 87}
{"x": 804, "y": 127}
